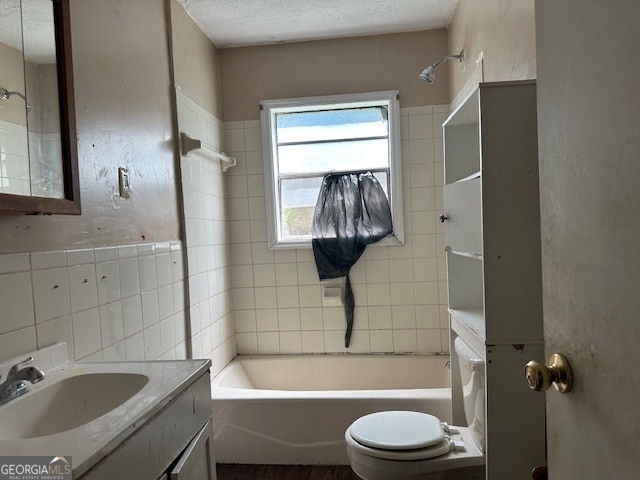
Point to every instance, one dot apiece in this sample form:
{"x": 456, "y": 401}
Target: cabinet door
{"x": 463, "y": 209}
{"x": 197, "y": 461}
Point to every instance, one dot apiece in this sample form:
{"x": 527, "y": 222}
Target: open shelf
{"x": 492, "y": 238}
{"x": 462, "y": 141}
{"x": 470, "y": 325}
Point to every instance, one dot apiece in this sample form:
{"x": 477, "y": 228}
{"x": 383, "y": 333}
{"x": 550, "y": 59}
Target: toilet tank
{"x": 471, "y": 368}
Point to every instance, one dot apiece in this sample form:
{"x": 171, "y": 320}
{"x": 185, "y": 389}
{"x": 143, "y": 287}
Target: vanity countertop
{"x": 92, "y": 441}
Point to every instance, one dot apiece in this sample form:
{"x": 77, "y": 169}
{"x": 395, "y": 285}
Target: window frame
{"x": 268, "y": 111}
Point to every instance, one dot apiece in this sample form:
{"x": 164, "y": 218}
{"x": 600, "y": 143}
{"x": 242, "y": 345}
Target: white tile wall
{"x": 400, "y": 291}
{"x": 206, "y": 240}
{"x": 91, "y": 299}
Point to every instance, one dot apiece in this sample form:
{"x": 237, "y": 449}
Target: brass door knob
{"x": 558, "y": 372}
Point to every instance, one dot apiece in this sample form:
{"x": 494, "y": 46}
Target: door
{"x": 588, "y": 67}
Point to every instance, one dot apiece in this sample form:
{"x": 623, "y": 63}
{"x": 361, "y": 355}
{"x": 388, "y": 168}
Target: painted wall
{"x": 196, "y": 61}
{"x": 345, "y": 65}
{"x": 503, "y": 31}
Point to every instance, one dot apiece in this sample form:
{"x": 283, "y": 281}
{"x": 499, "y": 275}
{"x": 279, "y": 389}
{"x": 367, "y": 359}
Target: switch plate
{"x": 123, "y": 182}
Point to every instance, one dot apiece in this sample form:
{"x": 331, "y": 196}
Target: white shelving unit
{"x": 492, "y": 236}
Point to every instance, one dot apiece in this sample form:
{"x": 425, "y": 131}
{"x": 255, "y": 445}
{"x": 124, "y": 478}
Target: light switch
{"x": 123, "y": 182}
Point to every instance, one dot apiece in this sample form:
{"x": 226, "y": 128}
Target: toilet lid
{"x": 397, "y": 430}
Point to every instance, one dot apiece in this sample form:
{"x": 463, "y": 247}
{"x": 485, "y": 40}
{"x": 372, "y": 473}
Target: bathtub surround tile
{"x": 381, "y": 341}
{"x": 290, "y": 342}
{"x": 428, "y": 316}
{"x": 268, "y": 343}
{"x": 312, "y": 341}
{"x": 429, "y": 341}
{"x": 288, "y": 319}
{"x": 400, "y": 291}
{"x": 405, "y": 341}
{"x": 266, "y": 320}
{"x": 311, "y": 319}
{"x": 210, "y": 233}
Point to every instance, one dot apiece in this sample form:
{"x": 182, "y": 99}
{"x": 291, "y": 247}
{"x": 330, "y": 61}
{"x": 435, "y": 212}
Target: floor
{"x": 284, "y": 472}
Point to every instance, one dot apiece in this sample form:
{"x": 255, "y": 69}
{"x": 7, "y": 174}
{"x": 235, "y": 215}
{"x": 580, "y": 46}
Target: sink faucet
{"x": 15, "y": 385}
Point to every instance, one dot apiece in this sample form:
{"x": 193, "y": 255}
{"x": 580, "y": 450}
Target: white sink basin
{"x": 67, "y": 404}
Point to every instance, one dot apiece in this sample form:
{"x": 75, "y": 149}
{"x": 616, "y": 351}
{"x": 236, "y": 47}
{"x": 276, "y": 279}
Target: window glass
{"x": 306, "y": 139}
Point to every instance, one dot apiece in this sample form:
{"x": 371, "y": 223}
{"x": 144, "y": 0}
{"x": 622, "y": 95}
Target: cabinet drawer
{"x": 463, "y": 209}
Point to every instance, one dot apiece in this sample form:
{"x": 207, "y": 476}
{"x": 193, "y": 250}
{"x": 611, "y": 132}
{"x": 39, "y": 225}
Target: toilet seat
{"x": 398, "y": 435}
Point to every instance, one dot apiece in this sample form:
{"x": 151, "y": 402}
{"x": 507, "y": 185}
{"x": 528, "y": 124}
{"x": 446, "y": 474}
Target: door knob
{"x": 557, "y": 372}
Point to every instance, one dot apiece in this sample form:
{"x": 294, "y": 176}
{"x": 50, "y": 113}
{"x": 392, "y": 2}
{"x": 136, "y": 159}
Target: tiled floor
{"x": 284, "y": 472}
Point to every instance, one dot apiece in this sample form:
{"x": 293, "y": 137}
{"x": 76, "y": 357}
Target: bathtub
{"x": 294, "y": 409}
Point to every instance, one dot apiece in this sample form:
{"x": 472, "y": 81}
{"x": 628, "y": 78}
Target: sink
{"x": 67, "y": 404}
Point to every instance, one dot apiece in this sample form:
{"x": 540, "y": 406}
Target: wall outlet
{"x": 123, "y": 182}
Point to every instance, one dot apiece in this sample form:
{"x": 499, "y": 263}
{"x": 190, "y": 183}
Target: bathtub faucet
{"x": 15, "y": 385}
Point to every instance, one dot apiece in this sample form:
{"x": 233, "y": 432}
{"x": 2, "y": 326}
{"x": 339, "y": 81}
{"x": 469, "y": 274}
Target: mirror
{"x": 38, "y": 153}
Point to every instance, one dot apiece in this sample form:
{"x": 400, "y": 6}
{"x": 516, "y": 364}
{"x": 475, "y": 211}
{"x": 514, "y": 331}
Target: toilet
{"x": 397, "y": 445}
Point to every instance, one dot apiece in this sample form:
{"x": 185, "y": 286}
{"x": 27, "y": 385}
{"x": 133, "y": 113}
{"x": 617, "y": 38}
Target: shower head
{"x": 429, "y": 73}
{"x": 6, "y": 94}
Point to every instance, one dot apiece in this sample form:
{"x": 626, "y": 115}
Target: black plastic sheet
{"x": 352, "y": 211}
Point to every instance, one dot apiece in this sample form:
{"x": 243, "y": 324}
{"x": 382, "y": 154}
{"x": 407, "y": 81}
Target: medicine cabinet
{"x": 38, "y": 152}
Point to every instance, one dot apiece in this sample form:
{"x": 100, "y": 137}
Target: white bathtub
{"x": 294, "y": 409}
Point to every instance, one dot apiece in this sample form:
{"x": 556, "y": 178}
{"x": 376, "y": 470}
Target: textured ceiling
{"x": 232, "y": 23}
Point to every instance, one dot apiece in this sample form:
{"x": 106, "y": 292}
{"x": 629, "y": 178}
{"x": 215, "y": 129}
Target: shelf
{"x": 470, "y": 326}
{"x": 472, "y": 176}
{"x": 472, "y": 318}
{"x": 475, "y": 256}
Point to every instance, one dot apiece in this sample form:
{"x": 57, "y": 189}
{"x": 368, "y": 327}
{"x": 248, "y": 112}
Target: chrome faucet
{"x": 15, "y": 385}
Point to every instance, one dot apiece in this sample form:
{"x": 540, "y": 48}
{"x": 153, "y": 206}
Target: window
{"x": 305, "y": 139}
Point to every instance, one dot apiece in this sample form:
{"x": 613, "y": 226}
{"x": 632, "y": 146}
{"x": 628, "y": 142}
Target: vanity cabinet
{"x": 492, "y": 235}
{"x": 174, "y": 444}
